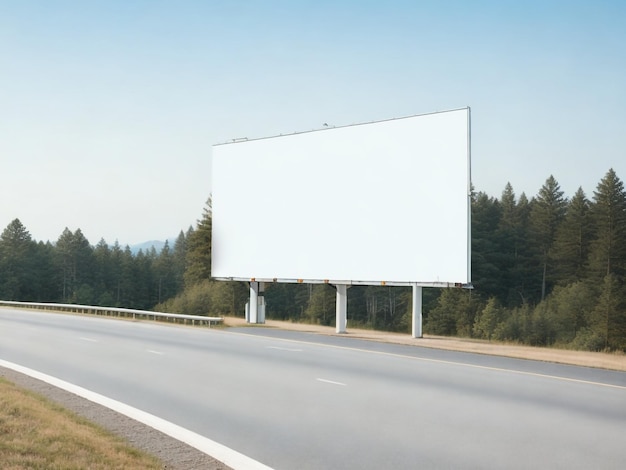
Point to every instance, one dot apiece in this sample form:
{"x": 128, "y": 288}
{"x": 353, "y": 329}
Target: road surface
{"x": 295, "y": 400}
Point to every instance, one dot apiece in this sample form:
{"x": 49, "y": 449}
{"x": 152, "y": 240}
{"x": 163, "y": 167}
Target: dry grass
{"x": 36, "y": 434}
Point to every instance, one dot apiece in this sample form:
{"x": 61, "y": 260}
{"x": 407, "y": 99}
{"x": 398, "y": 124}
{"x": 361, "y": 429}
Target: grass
{"x": 37, "y": 434}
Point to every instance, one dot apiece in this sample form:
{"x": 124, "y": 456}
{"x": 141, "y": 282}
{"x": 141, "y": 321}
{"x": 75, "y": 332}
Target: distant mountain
{"x": 145, "y": 246}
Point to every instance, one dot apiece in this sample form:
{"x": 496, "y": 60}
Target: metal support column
{"x": 254, "y": 303}
{"x": 342, "y": 308}
{"x": 416, "y": 329}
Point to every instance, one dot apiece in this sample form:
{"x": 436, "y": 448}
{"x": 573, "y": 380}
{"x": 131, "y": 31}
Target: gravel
{"x": 174, "y": 454}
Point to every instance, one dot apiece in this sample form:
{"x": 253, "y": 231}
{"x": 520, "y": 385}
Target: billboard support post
{"x": 416, "y": 330}
{"x": 254, "y": 302}
{"x": 341, "y": 308}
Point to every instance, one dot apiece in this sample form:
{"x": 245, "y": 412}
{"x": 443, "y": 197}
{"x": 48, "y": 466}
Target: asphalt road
{"x": 294, "y": 400}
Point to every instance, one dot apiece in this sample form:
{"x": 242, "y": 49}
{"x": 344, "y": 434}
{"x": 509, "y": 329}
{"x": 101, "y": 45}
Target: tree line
{"x": 547, "y": 271}
{"x": 71, "y": 270}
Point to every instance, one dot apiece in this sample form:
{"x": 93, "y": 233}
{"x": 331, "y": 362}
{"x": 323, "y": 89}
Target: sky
{"x": 109, "y": 109}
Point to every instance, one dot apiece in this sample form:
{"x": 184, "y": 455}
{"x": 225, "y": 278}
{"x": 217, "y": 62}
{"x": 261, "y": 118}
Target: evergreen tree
{"x": 144, "y": 294}
{"x": 571, "y": 246}
{"x": 74, "y": 256}
{"x": 454, "y": 314}
{"x": 542, "y": 331}
{"x": 569, "y": 308}
{"x": 17, "y": 263}
{"x": 321, "y": 308}
{"x": 512, "y": 236}
{"x": 523, "y": 268}
{"x": 608, "y": 321}
{"x": 45, "y": 273}
{"x": 122, "y": 275}
{"x": 179, "y": 256}
{"x": 488, "y": 319}
{"x": 199, "y": 250}
{"x": 104, "y": 284}
{"x": 486, "y": 263}
{"x": 545, "y": 217}
{"x": 608, "y": 212}
{"x": 164, "y": 274}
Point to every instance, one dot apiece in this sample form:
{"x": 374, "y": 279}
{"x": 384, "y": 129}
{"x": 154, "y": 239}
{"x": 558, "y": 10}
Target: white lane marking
{"x": 218, "y": 451}
{"x": 326, "y": 381}
{"x": 284, "y": 349}
{"x": 454, "y": 363}
{"x": 91, "y": 340}
{"x": 155, "y": 352}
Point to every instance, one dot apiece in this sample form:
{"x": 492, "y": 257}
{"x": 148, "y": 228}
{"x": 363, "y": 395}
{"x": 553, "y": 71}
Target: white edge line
{"x": 155, "y": 352}
{"x": 218, "y": 451}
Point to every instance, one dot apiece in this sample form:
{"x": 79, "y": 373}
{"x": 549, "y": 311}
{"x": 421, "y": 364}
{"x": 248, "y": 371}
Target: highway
{"x": 295, "y": 400}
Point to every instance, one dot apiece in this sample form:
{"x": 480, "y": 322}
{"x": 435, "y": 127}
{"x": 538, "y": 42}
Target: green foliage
{"x": 288, "y": 301}
{"x": 486, "y": 257}
{"x": 488, "y": 319}
{"x": 546, "y": 215}
{"x": 608, "y": 211}
{"x": 608, "y": 319}
{"x": 570, "y": 308}
{"x": 512, "y": 237}
{"x": 206, "y": 298}
{"x": 198, "y": 257}
{"x": 515, "y": 326}
{"x": 321, "y": 307}
{"x": 18, "y": 262}
{"x": 571, "y": 246}
{"x": 453, "y": 314}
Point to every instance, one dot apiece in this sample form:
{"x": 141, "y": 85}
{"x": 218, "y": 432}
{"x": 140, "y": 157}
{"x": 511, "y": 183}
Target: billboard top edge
{"x": 246, "y": 139}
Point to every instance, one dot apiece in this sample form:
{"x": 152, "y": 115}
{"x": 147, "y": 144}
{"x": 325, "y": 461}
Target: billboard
{"x": 380, "y": 202}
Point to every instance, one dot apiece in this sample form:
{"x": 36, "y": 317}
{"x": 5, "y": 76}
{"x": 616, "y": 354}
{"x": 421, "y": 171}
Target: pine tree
{"x": 570, "y": 309}
{"x": 179, "y": 257}
{"x": 486, "y": 262}
{"x": 609, "y": 317}
{"x": 103, "y": 277}
{"x": 199, "y": 250}
{"x": 523, "y": 268}
{"x": 454, "y": 314}
{"x": 164, "y": 275}
{"x": 545, "y": 217}
{"x": 322, "y": 305}
{"x": 608, "y": 212}
{"x": 78, "y": 257}
{"x": 17, "y": 263}
{"x": 571, "y": 246}
{"x": 513, "y": 239}
{"x": 488, "y": 319}
{"x": 45, "y": 283}
{"x": 66, "y": 253}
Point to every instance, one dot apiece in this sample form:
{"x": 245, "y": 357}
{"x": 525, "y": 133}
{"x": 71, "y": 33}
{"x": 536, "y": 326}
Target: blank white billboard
{"x": 379, "y": 202}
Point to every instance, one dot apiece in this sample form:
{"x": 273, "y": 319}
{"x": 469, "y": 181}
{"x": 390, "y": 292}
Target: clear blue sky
{"x": 109, "y": 109}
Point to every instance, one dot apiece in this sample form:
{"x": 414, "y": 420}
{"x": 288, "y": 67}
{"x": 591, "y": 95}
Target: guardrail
{"x": 113, "y": 311}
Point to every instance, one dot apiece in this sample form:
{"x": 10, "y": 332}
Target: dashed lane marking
{"x": 332, "y": 382}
